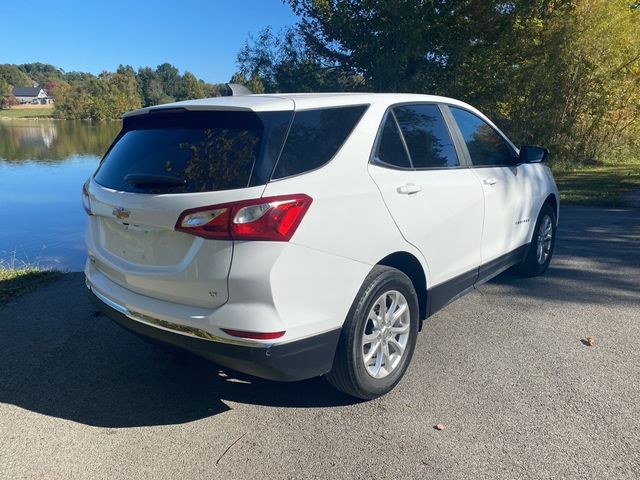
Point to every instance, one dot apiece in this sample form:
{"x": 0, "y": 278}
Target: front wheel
{"x": 378, "y": 337}
{"x": 542, "y": 244}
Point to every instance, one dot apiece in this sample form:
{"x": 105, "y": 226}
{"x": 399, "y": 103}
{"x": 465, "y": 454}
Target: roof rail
{"x": 237, "y": 90}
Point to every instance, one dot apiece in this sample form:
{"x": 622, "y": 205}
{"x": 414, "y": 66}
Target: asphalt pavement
{"x": 505, "y": 369}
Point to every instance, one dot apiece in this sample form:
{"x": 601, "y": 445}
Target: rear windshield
{"x": 186, "y": 151}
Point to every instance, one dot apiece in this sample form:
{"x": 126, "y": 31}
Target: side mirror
{"x": 529, "y": 154}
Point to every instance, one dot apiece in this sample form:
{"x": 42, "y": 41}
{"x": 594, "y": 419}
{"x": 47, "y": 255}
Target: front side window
{"x": 427, "y": 136}
{"x": 315, "y": 137}
{"x": 390, "y": 151}
{"x": 486, "y": 147}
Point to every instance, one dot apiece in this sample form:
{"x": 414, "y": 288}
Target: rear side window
{"x": 185, "y": 152}
{"x": 315, "y": 137}
{"x": 427, "y": 136}
{"x": 390, "y": 151}
{"x": 486, "y": 147}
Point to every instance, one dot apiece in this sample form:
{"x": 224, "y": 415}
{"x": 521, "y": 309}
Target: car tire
{"x": 375, "y": 346}
{"x": 540, "y": 249}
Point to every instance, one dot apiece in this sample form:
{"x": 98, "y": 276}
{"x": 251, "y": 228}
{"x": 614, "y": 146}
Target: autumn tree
{"x": 562, "y": 73}
{"x": 42, "y": 73}
{"x": 151, "y": 87}
{"x": 282, "y": 62}
{"x": 189, "y": 87}
{"x": 5, "y": 88}
{"x": 253, "y": 83}
{"x": 14, "y": 76}
{"x": 105, "y": 97}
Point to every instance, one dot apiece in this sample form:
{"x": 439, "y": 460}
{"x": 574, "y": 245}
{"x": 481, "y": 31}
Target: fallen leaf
{"x": 439, "y": 427}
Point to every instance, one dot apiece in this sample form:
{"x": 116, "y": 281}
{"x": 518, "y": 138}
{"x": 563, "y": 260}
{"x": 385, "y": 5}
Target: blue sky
{"x": 201, "y": 36}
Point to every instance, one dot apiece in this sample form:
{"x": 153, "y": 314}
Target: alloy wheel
{"x": 386, "y": 333}
{"x": 545, "y": 237}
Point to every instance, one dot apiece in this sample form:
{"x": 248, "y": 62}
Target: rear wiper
{"x": 154, "y": 181}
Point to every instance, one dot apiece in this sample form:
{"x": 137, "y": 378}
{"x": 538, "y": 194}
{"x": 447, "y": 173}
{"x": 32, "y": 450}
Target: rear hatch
{"x": 161, "y": 164}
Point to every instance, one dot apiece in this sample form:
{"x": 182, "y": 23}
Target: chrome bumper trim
{"x": 170, "y": 326}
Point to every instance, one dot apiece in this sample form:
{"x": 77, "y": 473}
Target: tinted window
{"x": 427, "y": 136}
{"x": 390, "y": 150}
{"x": 184, "y": 152}
{"x": 486, "y": 146}
{"x": 315, "y": 137}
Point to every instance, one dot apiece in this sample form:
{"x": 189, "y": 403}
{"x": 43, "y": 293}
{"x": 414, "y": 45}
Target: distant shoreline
{"x": 28, "y": 111}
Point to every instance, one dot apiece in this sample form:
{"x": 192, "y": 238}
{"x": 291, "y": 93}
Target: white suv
{"x": 292, "y": 236}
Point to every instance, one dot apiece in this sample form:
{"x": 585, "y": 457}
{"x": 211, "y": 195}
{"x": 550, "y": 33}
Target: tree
{"x": 150, "y": 87}
{"x": 600, "y": 56}
{"x": 562, "y": 73}
{"x": 169, "y": 76}
{"x": 14, "y": 76}
{"x": 283, "y": 63}
{"x": 189, "y": 88}
{"x": 5, "y": 88}
{"x": 57, "y": 88}
{"x": 42, "y": 73}
{"x": 105, "y": 97}
{"x": 254, "y": 83}
{"x": 213, "y": 89}
{"x": 7, "y": 100}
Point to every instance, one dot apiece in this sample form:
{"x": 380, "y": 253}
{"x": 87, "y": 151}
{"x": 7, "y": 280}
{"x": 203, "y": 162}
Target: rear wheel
{"x": 542, "y": 244}
{"x": 378, "y": 337}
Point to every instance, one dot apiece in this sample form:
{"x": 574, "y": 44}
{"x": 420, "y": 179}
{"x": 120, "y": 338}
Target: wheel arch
{"x": 552, "y": 201}
{"x": 408, "y": 264}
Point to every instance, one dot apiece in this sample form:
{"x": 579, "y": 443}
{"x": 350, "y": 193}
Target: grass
{"x": 602, "y": 185}
{"x": 18, "y": 280}
{"x": 36, "y": 111}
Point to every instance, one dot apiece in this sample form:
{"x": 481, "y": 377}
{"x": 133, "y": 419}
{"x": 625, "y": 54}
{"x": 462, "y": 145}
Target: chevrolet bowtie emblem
{"x": 121, "y": 213}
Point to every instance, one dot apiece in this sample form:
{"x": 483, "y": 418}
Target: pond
{"x": 43, "y": 164}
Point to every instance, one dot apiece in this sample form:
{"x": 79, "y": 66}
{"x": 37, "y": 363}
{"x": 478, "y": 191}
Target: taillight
{"x": 253, "y": 335}
{"x": 269, "y": 218}
{"x": 86, "y": 204}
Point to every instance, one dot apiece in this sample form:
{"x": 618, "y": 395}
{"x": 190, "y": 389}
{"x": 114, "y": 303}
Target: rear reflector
{"x": 270, "y": 218}
{"x": 253, "y": 335}
{"x": 86, "y": 203}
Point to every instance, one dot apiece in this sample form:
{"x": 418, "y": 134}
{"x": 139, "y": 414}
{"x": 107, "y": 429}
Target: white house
{"x": 33, "y": 95}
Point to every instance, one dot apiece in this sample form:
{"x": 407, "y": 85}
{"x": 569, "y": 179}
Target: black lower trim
{"x": 299, "y": 360}
{"x": 441, "y": 295}
{"x": 495, "y": 267}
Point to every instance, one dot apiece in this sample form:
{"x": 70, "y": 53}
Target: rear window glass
{"x": 391, "y": 151}
{"x": 184, "y": 152}
{"x": 315, "y": 137}
{"x": 427, "y": 136}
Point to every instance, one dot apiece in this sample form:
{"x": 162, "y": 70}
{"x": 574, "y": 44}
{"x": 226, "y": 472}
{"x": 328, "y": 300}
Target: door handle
{"x": 490, "y": 181}
{"x": 408, "y": 189}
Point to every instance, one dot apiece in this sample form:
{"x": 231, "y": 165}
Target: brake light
{"x": 253, "y": 335}
{"x": 86, "y": 204}
{"x": 270, "y": 218}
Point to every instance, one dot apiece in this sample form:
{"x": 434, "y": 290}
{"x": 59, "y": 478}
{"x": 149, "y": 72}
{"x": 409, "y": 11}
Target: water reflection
{"x": 43, "y": 164}
{"x": 54, "y": 140}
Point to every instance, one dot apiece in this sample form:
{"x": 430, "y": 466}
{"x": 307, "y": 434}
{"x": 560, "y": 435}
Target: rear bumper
{"x": 297, "y": 360}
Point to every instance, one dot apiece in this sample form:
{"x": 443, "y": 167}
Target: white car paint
{"x": 454, "y": 222}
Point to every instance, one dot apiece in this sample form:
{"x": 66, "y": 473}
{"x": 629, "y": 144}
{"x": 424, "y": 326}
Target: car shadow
{"x": 83, "y": 368}
{"x": 596, "y": 260}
